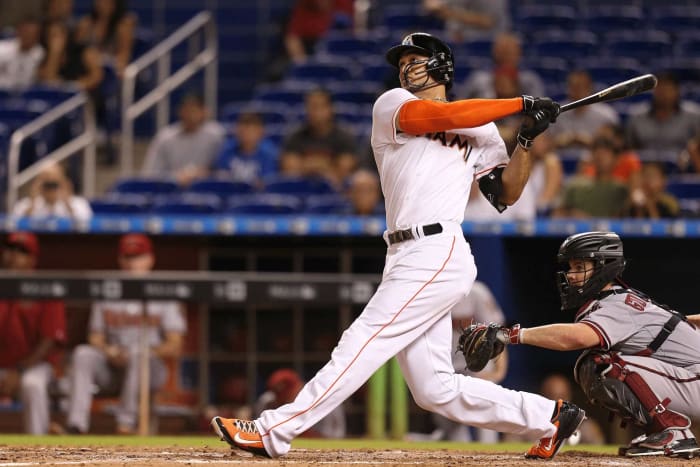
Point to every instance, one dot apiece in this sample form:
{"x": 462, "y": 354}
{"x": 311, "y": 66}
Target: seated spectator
{"x": 602, "y": 196}
{"x": 506, "y": 54}
{"x": 578, "y": 127}
{"x": 283, "y": 386}
{"x": 248, "y": 156}
{"x": 506, "y": 84}
{"x": 648, "y": 198}
{"x": 667, "y": 123}
{"x": 61, "y": 11}
{"x": 110, "y": 28}
{"x": 68, "y": 61}
{"x": 21, "y": 56}
{"x": 689, "y": 160}
{"x": 30, "y": 335}
{"x": 112, "y": 356}
{"x": 320, "y": 147}
{"x": 628, "y": 164}
{"x": 187, "y": 149}
{"x": 11, "y": 12}
{"x": 365, "y": 193}
{"x": 468, "y": 19}
{"x": 546, "y": 175}
{"x": 51, "y": 195}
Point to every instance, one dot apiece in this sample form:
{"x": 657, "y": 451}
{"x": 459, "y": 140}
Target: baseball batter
{"x": 642, "y": 361}
{"x": 427, "y": 151}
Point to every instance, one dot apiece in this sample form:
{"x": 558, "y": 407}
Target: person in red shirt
{"x": 30, "y": 335}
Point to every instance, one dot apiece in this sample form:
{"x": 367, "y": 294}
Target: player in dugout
{"x": 428, "y": 152}
{"x": 641, "y": 358}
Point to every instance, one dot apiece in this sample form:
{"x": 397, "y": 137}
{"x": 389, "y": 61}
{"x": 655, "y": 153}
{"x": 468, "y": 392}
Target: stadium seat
{"x": 565, "y": 45}
{"x": 409, "y": 18}
{"x": 356, "y": 92}
{"x": 327, "y": 204}
{"x": 187, "y": 203}
{"x": 348, "y": 45}
{"x": 641, "y": 45}
{"x": 542, "y": 17}
{"x": 221, "y": 188}
{"x": 608, "y": 72}
{"x": 117, "y": 203}
{"x": 552, "y": 70}
{"x": 265, "y": 203}
{"x": 302, "y": 186}
{"x": 684, "y": 186}
{"x": 272, "y": 113}
{"x": 677, "y": 19}
{"x": 51, "y": 94}
{"x": 146, "y": 186}
{"x": 601, "y": 19}
{"x": 321, "y": 72}
{"x": 687, "y": 46}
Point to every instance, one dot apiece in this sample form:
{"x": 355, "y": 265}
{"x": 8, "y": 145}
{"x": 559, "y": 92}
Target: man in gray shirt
{"x": 642, "y": 360}
{"x": 185, "y": 150}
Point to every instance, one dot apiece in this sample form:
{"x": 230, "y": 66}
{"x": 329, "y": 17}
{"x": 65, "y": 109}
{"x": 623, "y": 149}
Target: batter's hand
{"x": 532, "y": 104}
{"x": 533, "y": 124}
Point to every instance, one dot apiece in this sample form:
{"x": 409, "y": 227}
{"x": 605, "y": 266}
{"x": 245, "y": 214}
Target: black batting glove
{"x": 533, "y": 124}
{"x": 533, "y": 104}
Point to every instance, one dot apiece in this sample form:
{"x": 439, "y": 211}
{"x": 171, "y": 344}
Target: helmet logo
{"x": 408, "y": 40}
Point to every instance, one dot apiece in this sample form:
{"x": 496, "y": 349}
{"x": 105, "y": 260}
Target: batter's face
{"x": 413, "y": 72}
{"x": 580, "y": 270}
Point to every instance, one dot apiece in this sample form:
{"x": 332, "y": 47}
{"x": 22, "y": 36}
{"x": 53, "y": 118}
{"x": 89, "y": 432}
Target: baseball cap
{"x": 283, "y": 380}
{"x": 135, "y": 245}
{"x": 25, "y": 241}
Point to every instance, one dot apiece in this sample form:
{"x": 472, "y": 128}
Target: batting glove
{"x": 533, "y": 104}
{"x": 533, "y": 124}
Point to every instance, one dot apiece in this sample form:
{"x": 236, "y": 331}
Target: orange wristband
{"x": 421, "y": 116}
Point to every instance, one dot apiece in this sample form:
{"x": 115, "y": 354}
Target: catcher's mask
{"x": 438, "y": 62}
{"x": 604, "y": 249}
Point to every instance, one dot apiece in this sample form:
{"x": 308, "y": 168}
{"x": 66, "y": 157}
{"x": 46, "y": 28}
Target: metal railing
{"x": 85, "y": 141}
{"x": 166, "y": 81}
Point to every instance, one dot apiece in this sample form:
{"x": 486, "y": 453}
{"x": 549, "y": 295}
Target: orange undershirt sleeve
{"x": 421, "y": 116}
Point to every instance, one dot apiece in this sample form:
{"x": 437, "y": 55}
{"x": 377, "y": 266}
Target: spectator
{"x": 21, "y": 56}
{"x": 506, "y": 84}
{"x": 30, "y": 335}
{"x": 547, "y": 174}
{"x": 649, "y": 199}
{"x": 365, "y": 193}
{"x": 110, "y": 28}
{"x": 602, "y": 196}
{"x": 506, "y": 53}
{"x": 667, "y": 123}
{"x": 113, "y": 352}
{"x": 689, "y": 160}
{"x": 480, "y": 306}
{"x": 320, "y": 147}
{"x": 68, "y": 61}
{"x": 468, "y": 19}
{"x": 248, "y": 156}
{"x": 283, "y": 386}
{"x": 578, "y": 127}
{"x": 628, "y": 165}
{"x": 61, "y": 11}
{"x": 51, "y": 195}
{"x": 187, "y": 149}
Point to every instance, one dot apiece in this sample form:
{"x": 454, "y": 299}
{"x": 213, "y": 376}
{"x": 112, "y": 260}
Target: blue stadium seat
{"x": 570, "y": 159}
{"x": 686, "y": 69}
{"x": 676, "y": 19}
{"x": 608, "y": 72}
{"x": 321, "y": 72}
{"x": 355, "y": 92}
{"x": 541, "y": 17}
{"x": 605, "y": 18}
{"x": 552, "y": 70}
{"x": 187, "y": 203}
{"x": 272, "y": 113}
{"x": 565, "y": 45}
{"x": 688, "y": 45}
{"x": 265, "y": 203}
{"x": 277, "y": 95}
{"x": 302, "y": 186}
{"x": 684, "y": 186}
{"x": 348, "y": 45}
{"x": 51, "y": 94}
{"x": 146, "y": 186}
{"x": 328, "y": 204}
{"x": 404, "y": 18}
{"x": 221, "y": 188}
{"x": 118, "y": 203}
{"x": 641, "y": 45}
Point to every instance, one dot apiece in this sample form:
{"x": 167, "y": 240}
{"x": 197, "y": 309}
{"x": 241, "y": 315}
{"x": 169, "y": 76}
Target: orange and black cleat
{"x": 241, "y": 434}
{"x": 567, "y": 418}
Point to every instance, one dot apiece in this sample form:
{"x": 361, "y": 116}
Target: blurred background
{"x": 235, "y": 135}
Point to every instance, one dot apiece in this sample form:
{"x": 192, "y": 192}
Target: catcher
{"x": 641, "y": 360}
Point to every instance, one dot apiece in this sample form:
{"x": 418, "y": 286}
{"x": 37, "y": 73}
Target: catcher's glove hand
{"x": 479, "y": 343}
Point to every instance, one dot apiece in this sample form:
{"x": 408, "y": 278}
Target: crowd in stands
{"x": 311, "y": 120}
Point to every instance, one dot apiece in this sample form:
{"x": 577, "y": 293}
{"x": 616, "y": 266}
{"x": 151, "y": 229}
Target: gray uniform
{"x": 120, "y": 321}
{"x": 627, "y": 323}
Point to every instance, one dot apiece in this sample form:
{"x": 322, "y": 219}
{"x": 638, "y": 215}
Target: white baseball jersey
{"x": 120, "y": 321}
{"x": 409, "y": 166}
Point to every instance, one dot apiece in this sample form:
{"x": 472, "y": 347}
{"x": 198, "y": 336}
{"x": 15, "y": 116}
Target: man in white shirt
{"x": 21, "y": 56}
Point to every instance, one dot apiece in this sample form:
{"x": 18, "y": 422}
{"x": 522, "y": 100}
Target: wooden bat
{"x": 627, "y": 88}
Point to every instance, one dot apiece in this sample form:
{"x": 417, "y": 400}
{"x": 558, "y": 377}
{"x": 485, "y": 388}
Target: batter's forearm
{"x": 515, "y": 176}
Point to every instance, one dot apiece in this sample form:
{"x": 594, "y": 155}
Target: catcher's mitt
{"x": 479, "y": 343}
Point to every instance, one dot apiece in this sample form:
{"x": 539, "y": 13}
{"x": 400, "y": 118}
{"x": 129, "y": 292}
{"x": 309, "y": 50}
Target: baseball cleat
{"x": 671, "y": 443}
{"x": 241, "y": 434}
{"x": 567, "y": 418}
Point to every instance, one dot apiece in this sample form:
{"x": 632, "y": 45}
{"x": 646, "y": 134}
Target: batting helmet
{"x": 439, "y": 64}
{"x": 605, "y": 250}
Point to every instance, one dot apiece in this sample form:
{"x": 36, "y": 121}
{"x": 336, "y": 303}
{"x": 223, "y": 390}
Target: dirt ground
{"x": 220, "y": 456}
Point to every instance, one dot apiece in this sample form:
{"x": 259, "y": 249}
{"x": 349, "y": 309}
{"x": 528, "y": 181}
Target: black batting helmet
{"x": 439, "y": 64}
{"x": 605, "y": 250}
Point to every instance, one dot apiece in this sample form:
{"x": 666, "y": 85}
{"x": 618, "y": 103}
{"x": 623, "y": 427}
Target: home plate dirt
{"x": 126, "y": 456}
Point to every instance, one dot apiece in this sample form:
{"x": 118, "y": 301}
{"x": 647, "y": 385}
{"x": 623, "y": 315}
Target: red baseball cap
{"x": 135, "y": 245}
{"x": 283, "y": 381}
{"x": 25, "y": 240}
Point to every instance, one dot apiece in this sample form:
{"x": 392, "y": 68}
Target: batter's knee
{"x": 433, "y": 394}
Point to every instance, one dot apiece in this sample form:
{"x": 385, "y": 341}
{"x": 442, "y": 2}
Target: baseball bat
{"x": 627, "y": 88}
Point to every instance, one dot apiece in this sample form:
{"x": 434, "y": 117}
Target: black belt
{"x": 398, "y": 236}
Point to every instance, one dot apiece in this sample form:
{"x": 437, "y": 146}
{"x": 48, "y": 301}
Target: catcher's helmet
{"x": 439, "y": 64}
{"x": 605, "y": 250}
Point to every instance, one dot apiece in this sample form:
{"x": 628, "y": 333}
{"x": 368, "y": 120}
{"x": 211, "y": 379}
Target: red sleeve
{"x": 53, "y": 322}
